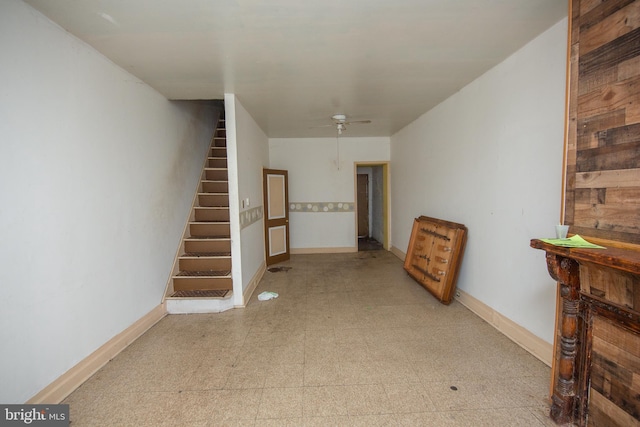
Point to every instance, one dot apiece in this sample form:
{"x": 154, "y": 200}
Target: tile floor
{"x": 350, "y": 341}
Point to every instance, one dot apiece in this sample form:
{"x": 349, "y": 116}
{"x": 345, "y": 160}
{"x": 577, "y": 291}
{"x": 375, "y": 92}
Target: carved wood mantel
{"x": 596, "y": 373}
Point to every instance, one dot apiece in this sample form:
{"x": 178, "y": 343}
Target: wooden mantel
{"x": 596, "y": 372}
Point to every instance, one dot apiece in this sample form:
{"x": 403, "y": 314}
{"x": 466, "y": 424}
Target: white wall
{"x": 490, "y": 157}
{"x": 97, "y": 178}
{"x": 248, "y": 149}
{"x": 316, "y": 176}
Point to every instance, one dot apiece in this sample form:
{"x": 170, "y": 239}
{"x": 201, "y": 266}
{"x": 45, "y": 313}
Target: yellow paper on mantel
{"x": 574, "y": 241}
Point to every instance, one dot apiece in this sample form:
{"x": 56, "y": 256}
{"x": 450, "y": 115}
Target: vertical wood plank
{"x": 602, "y": 183}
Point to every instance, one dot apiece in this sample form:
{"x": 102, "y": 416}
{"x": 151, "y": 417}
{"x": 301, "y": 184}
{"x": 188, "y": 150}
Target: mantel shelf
{"x": 621, "y": 258}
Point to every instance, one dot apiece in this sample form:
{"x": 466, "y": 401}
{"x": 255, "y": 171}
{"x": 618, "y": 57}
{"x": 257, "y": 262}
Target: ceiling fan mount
{"x": 341, "y": 122}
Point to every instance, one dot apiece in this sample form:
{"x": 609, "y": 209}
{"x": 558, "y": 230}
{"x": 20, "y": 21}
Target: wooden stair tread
{"x": 200, "y": 293}
{"x": 210, "y": 222}
{"x": 196, "y": 238}
{"x": 211, "y": 273}
{"x": 205, "y": 254}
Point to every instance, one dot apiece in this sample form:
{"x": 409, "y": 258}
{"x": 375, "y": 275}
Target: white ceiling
{"x": 294, "y": 63}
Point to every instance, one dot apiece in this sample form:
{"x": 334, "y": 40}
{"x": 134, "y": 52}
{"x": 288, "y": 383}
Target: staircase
{"x": 202, "y": 273}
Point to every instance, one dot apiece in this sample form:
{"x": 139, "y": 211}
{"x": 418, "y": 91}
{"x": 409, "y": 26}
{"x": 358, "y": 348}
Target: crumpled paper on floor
{"x": 266, "y": 295}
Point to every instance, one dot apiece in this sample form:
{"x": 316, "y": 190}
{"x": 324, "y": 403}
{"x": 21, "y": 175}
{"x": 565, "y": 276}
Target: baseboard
{"x": 525, "y": 339}
{"x": 516, "y": 333}
{"x": 338, "y": 250}
{"x": 253, "y": 284}
{"x": 397, "y": 252}
{"x": 64, "y": 385}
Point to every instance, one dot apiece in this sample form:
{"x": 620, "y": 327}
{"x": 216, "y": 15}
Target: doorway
{"x": 363, "y": 205}
{"x": 372, "y": 217}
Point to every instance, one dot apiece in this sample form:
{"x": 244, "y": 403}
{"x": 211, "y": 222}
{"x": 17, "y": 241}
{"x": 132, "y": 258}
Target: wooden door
{"x": 276, "y": 223}
{"x": 363, "y": 205}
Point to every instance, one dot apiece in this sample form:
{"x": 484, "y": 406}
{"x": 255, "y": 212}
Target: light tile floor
{"x": 350, "y": 341}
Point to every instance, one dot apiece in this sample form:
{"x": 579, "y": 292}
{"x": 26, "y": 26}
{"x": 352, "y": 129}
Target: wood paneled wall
{"x": 602, "y": 189}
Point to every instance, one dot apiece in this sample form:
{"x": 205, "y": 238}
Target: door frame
{"x": 386, "y": 198}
